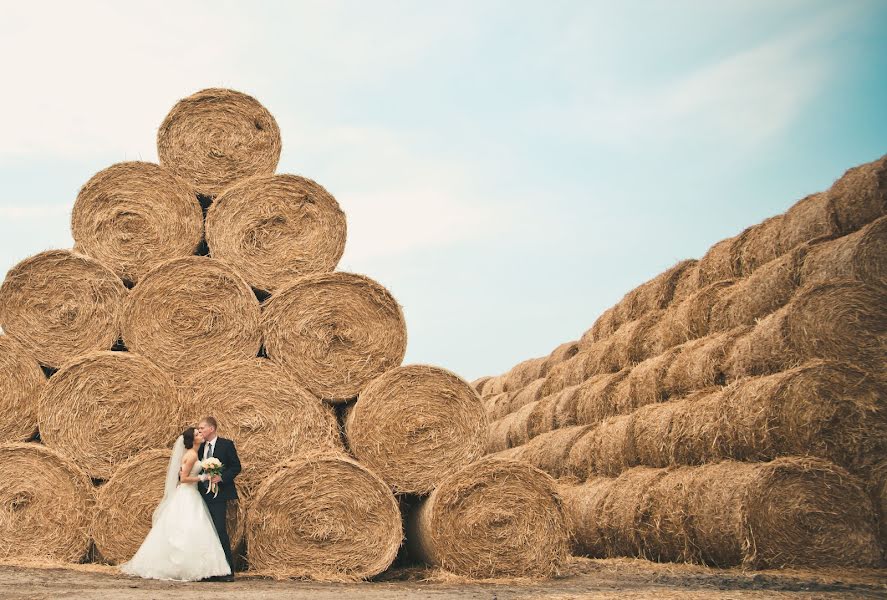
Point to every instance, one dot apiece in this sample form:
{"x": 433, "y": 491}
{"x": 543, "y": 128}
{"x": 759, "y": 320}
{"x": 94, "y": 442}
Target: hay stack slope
{"x": 268, "y": 415}
{"x": 216, "y": 137}
{"x": 190, "y": 313}
{"x": 45, "y": 504}
{"x": 415, "y": 425}
{"x": 276, "y": 227}
{"x": 323, "y": 517}
{"x": 789, "y": 512}
{"x": 21, "y": 382}
{"x": 859, "y": 256}
{"x": 60, "y": 304}
{"x": 133, "y": 216}
{"x": 494, "y": 518}
{"x": 104, "y": 406}
{"x": 334, "y": 333}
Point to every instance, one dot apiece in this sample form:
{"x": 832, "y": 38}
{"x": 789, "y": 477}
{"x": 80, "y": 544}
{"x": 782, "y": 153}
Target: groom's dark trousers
{"x": 218, "y": 506}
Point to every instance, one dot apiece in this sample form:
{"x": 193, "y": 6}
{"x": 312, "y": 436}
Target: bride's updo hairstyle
{"x": 188, "y": 436}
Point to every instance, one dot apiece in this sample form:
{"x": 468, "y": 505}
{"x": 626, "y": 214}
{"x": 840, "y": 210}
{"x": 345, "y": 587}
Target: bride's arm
{"x": 184, "y": 474}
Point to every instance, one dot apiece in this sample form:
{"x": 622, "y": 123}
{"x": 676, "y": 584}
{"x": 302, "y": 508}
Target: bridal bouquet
{"x": 212, "y": 467}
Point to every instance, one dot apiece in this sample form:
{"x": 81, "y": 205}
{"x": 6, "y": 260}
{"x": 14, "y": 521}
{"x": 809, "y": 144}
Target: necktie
{"x": 209, "y": 450}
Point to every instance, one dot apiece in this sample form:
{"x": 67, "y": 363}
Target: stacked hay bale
{"x": 770, "y": 347}
{"x": 140, "y": 334}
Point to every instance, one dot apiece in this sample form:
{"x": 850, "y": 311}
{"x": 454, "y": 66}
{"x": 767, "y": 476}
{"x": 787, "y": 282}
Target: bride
{"x": 182, "y": 544}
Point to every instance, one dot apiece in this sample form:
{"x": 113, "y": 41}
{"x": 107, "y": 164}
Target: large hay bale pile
{"x": 60, "y": 304}
{"x": 334, "y": 333}
{"x": 103, "y": 407}
{"x": 191, "y": 313}
{"x": 46, "y": 502}
{"x": 493, "y": 518}
{"x": 133, "y": 216}
{"x": 789, "y": 512}
{"x": 217, "y": 137}
{"x": 323, "y": 517}
{"x": 415, "y": 425}
{"x": 21, "y": 382}
{"x": 276, "y": 227}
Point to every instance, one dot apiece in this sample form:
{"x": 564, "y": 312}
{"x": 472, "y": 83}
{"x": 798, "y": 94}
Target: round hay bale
{"x": 688, "y": 430}
{"x": 334, "y": 333}
{"x": 525, "y": 372}
{"x": 498, "y": 406}
{"x": 60, "y": 304}
{"x": 645, "y": 383}
{"x": 594, "y": 397}
{"x": 494, "y": 386}
{"x": 565, "y": 414}
{"x": 611, "y": 445}
{"x": 860, "y": 195}
{"x": 216, "y": 137}
{"x": 21, "y": 381}
{"x": 858, "y": 256}
{"x": 604, "y": 325}
{"x": 478, "y": 384}
{"x": 702, "y": 363}
{"x": 632, "y": 343}
{"x": 550, "y": 451}
{"x": 83, "y": 405}
{"x": 125, "y": 505}
{"x": 809, "y": 218}
{"x": 517, "y": 432}
{"x": 46, "y": 500}
{"x": 497, "y": 438}
{"x": 686, "y": 284}
{"x": 268, "y": 415}
{"x": 542, "y": 417}
{"x": 718, "y": 264}
{"x": 766, "y": 290}
{"x": 415, "y": 425}
{"x": 758, "y": 245}
{"x": 134, "y": 216}
{"x": 525, "y": 395}
{"x": 840, "y": 320}
{"x": 693, "y": 318}
{"x": 494, "y": 518}
{"x": 323, "y": 517}
{"x": 654, "y": 294}
{"x": 191, "y": 313}
{"x": 276, "y": 227}
{"x": 563, "y": 352}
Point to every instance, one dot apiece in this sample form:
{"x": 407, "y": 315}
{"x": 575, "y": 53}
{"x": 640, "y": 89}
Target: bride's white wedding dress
{"x": 182, "y": 544}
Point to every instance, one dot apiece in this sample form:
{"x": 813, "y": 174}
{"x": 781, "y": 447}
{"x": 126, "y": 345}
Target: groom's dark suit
{"x": 225, "y": 451}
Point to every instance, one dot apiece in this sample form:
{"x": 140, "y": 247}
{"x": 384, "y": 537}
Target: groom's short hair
{"x": 211, "y": 421}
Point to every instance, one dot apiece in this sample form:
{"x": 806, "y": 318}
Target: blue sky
{"x": 508, "y": 169}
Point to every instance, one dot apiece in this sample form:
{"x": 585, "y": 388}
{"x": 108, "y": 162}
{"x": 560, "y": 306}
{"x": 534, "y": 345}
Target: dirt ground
{"x": 618, "y": 578}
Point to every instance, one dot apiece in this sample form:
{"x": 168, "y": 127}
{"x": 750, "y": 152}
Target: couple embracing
{"x": 188, "y": 540}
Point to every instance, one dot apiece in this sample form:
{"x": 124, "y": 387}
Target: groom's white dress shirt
{"x": 209, "y": 446}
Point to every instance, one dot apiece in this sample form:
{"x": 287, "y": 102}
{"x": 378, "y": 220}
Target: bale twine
{"x": 60, "y": 304}
{"x": 415, "y": 425}
{"x": 125, "y": 505}
{"x": 133, "y": 216}
{"x": 494, "y": 518}
{"x": 758, "y": 245}
{"x": 563, "y": 352}
{"x": 323, "y": 517}
{"x": 594, "y": 397}
{"x": 84, "y": 403}
{"x": 692, "y": 318}
{"x": 702, "y": 363}
{"x": 763, "y": 292}
{"x": 841, "y": 320}
{"x": 268, "y": 415}
{"x": 216, "y": 137}
{"x": 190, "y": 313}
{"x": 276, "y": 227}
{"x": 718, "y": 263}
{"x": 21, "y": 382}
{"x": 789, "y": 512}
{"x": 858, "y": 256}
{"x": 45, "y": 504}
{"x": 334, "y": 333}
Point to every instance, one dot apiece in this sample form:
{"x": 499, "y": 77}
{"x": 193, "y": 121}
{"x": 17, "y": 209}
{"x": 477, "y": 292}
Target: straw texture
{"x": 217, "y": 137}
{"x": 276, "y": 227}
{"x": 415, "y": 425}
{"x": 21, "y": 382}
{"x": 859, "y": 256}
{"x": 46, "y": 503}
{"x": 190, "y": 313}
{"x": 83, "y": 405}
{"x": 60, "y": 304}
{"x": 494, "y": 518}
{"x": 334, "y": 333}
{"x": 133, "y": 216}
{"x": 323, "y": 517}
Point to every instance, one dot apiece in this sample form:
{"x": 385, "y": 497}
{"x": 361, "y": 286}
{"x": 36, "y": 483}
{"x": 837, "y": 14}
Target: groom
{"x": 224, "y": 450}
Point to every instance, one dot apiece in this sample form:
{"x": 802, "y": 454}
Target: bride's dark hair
{"x": 188, "y": 436}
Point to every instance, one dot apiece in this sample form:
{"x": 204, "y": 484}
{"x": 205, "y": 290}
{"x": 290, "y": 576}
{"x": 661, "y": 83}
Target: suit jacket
{"x": 226, "y": 453}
